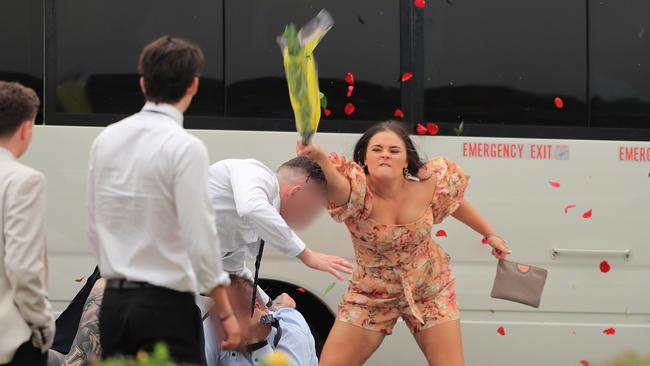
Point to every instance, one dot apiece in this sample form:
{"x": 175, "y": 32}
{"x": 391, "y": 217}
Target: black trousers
{"x": 27, "y": 354}
{"x": 137, "y": 319}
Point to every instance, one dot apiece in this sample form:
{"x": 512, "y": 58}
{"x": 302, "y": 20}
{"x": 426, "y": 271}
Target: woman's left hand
{"x": 499, "y": 248}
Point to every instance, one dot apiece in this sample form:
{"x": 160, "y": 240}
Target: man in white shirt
{"x": 26, "y": 321}
{"x": 283, "y": 329}
{"x": 254, "y": 203}
{"x": 150, "y": 222}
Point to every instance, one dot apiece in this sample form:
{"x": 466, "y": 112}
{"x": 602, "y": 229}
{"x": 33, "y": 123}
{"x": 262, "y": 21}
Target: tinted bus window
{"x": 21, "y": 44}
{"x": 620, "y": 63}
{"x": 363, "y": 41}
{"x": 98, "y": 44}
{"x": 505, "y": 61}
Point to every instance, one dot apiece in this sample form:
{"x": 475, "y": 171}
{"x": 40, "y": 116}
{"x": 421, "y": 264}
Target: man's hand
{"x": 42, "y": 338}
{"x": 283, "y": 301}
{"x": 325, "y": 263}
{"x": 224, "y": 314}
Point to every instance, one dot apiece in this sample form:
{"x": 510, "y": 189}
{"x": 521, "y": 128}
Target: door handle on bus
{"x": 626, "y": 253}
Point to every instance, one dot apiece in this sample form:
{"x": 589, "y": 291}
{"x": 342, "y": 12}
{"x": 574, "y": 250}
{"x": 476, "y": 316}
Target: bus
{"x": 545, "y": 104}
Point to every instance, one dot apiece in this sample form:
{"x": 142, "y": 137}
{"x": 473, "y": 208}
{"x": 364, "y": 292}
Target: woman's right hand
{"x": 312, "y": 151}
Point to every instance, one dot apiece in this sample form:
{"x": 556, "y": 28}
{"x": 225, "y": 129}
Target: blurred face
{"x": 301, "y": 204}
{"x": 386, "y": 156}
{"x": 241, "y": 306}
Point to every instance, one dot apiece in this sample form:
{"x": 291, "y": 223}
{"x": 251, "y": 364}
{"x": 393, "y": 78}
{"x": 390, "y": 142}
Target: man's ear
{"x": 294, "y": 189}
{"x": 25, "y": 130}
{"x": 194, "y": 87}
{"x": 142, "y": 88}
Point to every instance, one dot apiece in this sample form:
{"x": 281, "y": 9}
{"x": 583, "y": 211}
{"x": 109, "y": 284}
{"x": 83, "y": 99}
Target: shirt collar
{"x": 166, "y": 109}
{"x": 6, "y": 153}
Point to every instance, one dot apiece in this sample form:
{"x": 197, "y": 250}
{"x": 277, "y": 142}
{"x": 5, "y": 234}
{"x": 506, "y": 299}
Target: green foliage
{"x": 627, "y": 359}
{"x": 159, "y": 357}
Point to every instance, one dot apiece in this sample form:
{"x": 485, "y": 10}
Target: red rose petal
{"x": 554, "y": 183}
{"x": 484, "y": 241}
{"x": 349, "y": 109}
{"x": 327, "y": 112}
{"x": 570, "y": 205}
{"x": 349, "y": 78}
{"x": 350, "y": 89}
{"x": 421, "y": 129}
{"x": 609, "y": 331}
{"x": 605, "y": 267}
{"x": 587, "y": 214}
{"x": 584, "y": 362}
{"x": 441, "y": 233}
{"x": 398, "y": 113}
{"x": 559, "y": 103}
{"x": 419, "y": 3}
{"x": 300, "y": 289}
{"x": 501, "y": 331}
{"x": 432, "y": 128}
{"x": 79, "y": 279}
{"x": 407, "y": 76}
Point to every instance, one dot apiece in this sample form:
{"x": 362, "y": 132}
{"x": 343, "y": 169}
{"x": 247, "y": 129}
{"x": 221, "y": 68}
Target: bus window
{"x": 620, "y": 63}
{"x": 505, "y": 62}
{"x": 97, "y": 44}
{"x": 363, "y": 41}
{"x": 21, "y": 44}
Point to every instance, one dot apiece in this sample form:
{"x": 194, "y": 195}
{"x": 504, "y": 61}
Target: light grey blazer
{"x": 24, "y": 307}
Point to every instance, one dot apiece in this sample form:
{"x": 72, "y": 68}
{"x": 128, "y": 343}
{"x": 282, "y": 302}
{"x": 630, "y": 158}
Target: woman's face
{"x": 386, "y": 156}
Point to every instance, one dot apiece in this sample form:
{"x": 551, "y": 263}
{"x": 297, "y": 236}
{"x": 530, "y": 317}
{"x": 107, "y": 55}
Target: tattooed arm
{"x": 85, "y": 347}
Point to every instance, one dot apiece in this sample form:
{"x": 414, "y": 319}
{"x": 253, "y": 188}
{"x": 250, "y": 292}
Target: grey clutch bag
{"x": 518, "y": 282}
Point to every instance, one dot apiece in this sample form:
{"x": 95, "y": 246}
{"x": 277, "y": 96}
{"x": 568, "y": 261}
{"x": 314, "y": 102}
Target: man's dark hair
{"x": 18, "y": 104}
{"x": 245, "y": 288}
{"x": 168, "y": 66}
{"x": 309, "y": 167}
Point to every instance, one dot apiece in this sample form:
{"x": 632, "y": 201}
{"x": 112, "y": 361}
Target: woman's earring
{"x": 408, "y": 176}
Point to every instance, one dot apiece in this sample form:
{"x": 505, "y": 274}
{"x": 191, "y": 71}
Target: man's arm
{"x": 251, "y": 190}
{"x": 25, "y": 256}
{"x": 85, "y": 347}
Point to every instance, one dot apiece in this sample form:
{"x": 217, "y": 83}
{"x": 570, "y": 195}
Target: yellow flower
{"x": 142, "y": 356}
{"x": 276, "y": 358}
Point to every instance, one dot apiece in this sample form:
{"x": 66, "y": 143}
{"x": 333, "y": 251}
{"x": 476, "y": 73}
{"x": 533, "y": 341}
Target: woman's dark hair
{"x": 412, "y": 156}
{"x": 168, "y": 66}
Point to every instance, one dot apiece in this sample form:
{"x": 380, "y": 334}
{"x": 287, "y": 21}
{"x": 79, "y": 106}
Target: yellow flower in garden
{"x": 142, "y": 356}
{"x": 276, "y": 358}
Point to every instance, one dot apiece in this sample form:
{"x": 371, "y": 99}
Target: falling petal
{"x": 349, "y": 78}
{"x": 327, "y": 112}
{"x": 441, "y": 233}
{"x": 501, "y": 331}
{"x": 432, "y": 128}
{"x": 398, "y": 113}
{"x": 570, "y": 205}
{"x": 484, "y": 241}
{"x": 605, "y": 267}
{"x": 421, "y": 129}
{"x": 587, "y": 215}
{"x": 420, "y": 3}
{"x": 407, "y": 76}
{"x": 559, "y": 103}
{"x": 79, "y": 279}
{"x": 300, "y": 289}
{"x": 609, "y": 331}
{"x": 323, "y": 100}
{"x": 459, "y": 131}
{"x": 349, "y": 109}
{"x": 329, "y": 288}
{"x": 350, "y": 89}
{"x": 554, "y": 183}
{"x": 360, "y": 19}
{"x": 584, "y": 362}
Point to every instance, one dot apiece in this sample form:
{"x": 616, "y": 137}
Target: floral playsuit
{"x": 400, "y": 270}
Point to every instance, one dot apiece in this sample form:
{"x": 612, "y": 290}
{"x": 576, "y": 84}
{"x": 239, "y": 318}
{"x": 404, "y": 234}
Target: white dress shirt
{"x": 149, "y": 212}
{"x": 25, "y": 312}
{"x": 245, "y": 196}
{"x": 296, "y": 342}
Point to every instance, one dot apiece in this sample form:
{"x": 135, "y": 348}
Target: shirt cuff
{"x": 223, "y": 279}
{"x": 258, "y": 356}
{"x": 296, "y": 247}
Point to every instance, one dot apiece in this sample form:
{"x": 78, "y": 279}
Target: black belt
{"x": 125, "y": 284}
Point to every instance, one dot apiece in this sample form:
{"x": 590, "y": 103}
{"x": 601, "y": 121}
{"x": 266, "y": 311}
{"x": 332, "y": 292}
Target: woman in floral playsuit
{"x": 389, "y": 200}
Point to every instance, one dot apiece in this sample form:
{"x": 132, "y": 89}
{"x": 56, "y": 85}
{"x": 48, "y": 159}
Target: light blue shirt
{"x": 296, "y": 342}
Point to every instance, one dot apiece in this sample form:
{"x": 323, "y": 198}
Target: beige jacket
{"x": 25, "y": 311}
